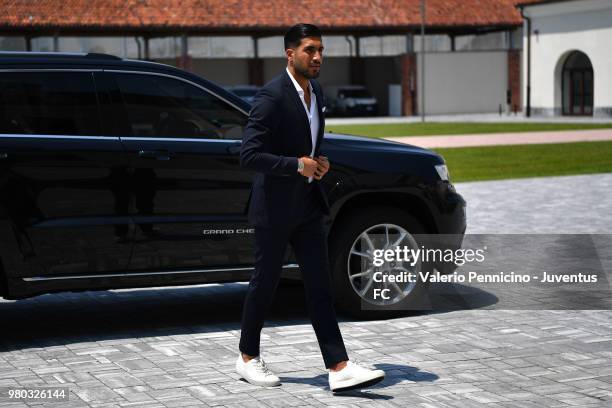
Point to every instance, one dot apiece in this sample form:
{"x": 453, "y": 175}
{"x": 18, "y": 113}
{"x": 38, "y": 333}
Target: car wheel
{"x": 351, "y": 254}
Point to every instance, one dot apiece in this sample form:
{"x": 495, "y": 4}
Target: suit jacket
{"x": 276, "y": 135}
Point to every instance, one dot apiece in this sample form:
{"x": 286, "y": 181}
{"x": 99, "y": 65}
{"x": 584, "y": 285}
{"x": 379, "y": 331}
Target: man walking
{"x": 287, "y": 206}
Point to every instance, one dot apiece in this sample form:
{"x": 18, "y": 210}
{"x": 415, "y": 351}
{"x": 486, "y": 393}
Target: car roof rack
{"x": 39, "y": 54}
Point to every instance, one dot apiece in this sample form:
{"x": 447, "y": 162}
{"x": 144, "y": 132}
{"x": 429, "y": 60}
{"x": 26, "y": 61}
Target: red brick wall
{"x": 514, "y": 79}
{"x": 409, "y": 84}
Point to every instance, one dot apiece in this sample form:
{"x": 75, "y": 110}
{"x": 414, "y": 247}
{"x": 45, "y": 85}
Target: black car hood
{"x": 375, "y": 144}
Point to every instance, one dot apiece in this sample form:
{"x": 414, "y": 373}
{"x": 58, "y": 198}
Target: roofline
{"x": 153, "y": 31}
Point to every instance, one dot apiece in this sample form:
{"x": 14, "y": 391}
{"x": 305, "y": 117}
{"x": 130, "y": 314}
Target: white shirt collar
{"x": 297, "y": 86}
{"x": 312, "y": 113}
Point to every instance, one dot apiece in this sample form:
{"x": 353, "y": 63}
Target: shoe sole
{"x": 360, "y": 385}
{"x": 258, "y": 383}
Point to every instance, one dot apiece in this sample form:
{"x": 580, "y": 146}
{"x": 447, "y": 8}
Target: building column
{"x": 56, "y": 41}
{"x": 184, "y": 61}
{"x": 514, "y": 80}
{"x": 409, "y": 81}
{"x": 255, "y": 66}
{"x": 146, "y": 48}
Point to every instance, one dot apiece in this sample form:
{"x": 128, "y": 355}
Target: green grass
{"x": 519, "y": 161}
{"x": 456, "y": 128}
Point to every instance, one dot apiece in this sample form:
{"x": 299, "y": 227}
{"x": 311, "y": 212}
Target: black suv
{"x": 119, "y": 173}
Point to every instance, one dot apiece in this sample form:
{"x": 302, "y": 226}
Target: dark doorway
{"x": 577, "y": 85}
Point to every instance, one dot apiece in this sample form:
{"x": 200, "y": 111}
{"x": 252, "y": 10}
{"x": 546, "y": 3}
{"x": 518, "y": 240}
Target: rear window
{"x": 48, "y": 103}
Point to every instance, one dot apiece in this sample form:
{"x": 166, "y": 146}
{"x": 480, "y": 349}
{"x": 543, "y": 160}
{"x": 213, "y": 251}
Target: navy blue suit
{"x": 277, "y": 134}
{"x": 285, "y": 209}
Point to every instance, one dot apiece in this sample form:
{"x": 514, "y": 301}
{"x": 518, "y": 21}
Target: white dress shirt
{"x": 312, "y": 113}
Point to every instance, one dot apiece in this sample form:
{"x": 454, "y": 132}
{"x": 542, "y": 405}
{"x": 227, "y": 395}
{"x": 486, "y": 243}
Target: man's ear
{"x": 289, "y": 53}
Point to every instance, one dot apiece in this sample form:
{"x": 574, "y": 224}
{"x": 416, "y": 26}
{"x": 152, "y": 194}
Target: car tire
{"x": 342, "y": 242}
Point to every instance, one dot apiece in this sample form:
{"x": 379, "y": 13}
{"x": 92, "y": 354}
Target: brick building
{"x": 472, "y": 48}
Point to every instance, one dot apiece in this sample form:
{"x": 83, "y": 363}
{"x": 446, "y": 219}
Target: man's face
{"x": 307, "y": 57}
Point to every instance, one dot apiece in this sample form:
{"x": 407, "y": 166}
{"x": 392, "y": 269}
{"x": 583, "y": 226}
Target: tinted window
{"x": 159, "y": 106}
{"x": 49, "y": 103}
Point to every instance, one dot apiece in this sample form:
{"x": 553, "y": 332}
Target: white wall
{"x": 464, "y": 82}
{"x": 222, "y": 71}
{"x": 563, "y": 27}
{"x": 226, "y": 72}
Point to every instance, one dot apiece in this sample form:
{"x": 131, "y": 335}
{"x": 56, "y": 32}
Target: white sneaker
{"x": 256, "y": 372}
{"x": 353, "y": 376}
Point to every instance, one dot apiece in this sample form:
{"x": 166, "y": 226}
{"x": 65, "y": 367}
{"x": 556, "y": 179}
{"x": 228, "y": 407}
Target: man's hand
{"x": 310, "y": 166}
{"x": 322, "y": 167}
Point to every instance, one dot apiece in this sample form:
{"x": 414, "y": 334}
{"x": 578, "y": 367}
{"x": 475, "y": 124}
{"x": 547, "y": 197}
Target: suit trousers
{"x": 308, "y": 237}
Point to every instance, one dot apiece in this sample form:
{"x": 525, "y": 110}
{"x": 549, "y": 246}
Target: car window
{"x": 48, "y": 103}
{"x": 159, "y": 106}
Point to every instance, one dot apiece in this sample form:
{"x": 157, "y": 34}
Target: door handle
{"x": 154, "y": 154}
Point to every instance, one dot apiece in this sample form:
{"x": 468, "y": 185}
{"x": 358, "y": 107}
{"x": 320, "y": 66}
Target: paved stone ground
{"x": 176, "y": 347}
{"x": 542, "y": 205}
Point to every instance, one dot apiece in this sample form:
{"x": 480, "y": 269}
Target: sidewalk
{"x": 468, "y": 117}
{"x": 496, "y": 139}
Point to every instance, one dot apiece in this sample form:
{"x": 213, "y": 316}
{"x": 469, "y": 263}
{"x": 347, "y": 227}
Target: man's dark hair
{"x": 294, "y": 36}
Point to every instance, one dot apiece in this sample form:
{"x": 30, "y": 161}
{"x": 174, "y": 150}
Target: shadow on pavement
{"x": 66, "y": 318}
{"x": 394, "y": 374}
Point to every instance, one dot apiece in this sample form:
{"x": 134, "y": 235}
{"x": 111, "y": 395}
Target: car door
{"x": 188, "y": 192}
{"x": 57, "y": 190}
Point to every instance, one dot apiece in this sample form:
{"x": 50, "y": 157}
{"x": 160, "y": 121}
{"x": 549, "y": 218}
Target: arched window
{"x": 577, "y": 85}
